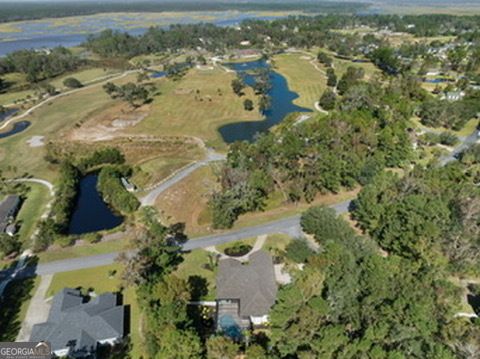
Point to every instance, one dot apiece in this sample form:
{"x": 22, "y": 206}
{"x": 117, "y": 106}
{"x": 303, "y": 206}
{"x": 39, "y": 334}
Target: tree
{"x": 181, "y": 344}
{"x": 350, "y": 78}
{"x": 248, "y": 105}
{"x": 264, "y": 104}
{"x": 72, "y": 83}
{"x": 323, "y": 58}
{"x": 327, "y": 100}
{"x": 8, "y": 244}
{"x": 298, "y": 250}
{"x": 323, "y": 224}
{"x": 238, "y": 86}
{"x": 220, "y": 347}
{"x": 331, "y": 77}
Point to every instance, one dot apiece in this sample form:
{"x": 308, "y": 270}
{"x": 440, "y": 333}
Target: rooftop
{"x": 252, "y": 284}
{"x": 77, "y": 324}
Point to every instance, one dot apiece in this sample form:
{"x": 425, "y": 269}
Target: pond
{"x": 281, "y": 98}
{"x": 91, "y": 213}
{"x": 17, "y": 128}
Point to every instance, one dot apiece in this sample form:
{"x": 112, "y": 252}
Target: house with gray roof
{"x": 76, "y": 326}
{"x": 245, "y": 293}
{"x": 9, "y": 208}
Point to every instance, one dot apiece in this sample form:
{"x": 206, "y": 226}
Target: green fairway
{"x": 50, "y": 120}
{"x": 32, "y": 209}
{"x": 196, "y": 106}
{"x": 302, "y": 77}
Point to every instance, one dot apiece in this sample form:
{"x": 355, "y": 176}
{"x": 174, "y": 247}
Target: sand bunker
{"x": 36, "y": 141}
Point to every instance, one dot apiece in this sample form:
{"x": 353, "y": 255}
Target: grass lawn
{"x": 32, "y": 209}
{"x": 196, "y": 105}
{"x": 469, "y": 127}
{"x": 99, "y": 280}
{"x": 156, "y": 169}
{"x": 193, "y": 265}
{"x": 49, "y": 120}
{"x": 276, "y": 208}
{"x": 302, "y": 77}
{"x": 276, "y": 243}
{"x": 84, "y": 76}
{"x": 83, "y": 250}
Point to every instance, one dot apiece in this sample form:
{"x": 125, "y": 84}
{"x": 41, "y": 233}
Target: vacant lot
{"x": 302, "y": 77}
{"x": 187, "y": 201}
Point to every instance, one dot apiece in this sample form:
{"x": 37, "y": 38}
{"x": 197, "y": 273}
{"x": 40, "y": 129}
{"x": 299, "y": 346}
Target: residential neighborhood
{"x": 240, "y": 180}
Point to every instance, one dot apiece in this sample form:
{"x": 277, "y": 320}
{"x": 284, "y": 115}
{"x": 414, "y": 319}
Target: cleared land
{"x": 187, "y": 201}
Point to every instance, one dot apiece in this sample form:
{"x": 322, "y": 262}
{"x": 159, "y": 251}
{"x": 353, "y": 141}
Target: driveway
{"x": 37, "y": 310}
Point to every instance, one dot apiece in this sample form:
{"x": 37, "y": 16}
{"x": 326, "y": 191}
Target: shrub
{"x": 298, "y": 250}
{"x": 238, "y": 250}
{"x": 72, "y": 83}
{"x": 248, "y": 105}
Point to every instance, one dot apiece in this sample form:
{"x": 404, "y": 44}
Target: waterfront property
{"x": 8, "y": 210}
{"x": 245, "y": 293}
{"x": 76, "y": 326}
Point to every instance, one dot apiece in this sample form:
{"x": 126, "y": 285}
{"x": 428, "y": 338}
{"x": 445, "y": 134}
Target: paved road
{"x": 290, "y": 226}
{"x": 464, "y": 144}
{"x": 51, "y": 98}
{"x": 151, "y": 197}
{"x": 38, "y": 181}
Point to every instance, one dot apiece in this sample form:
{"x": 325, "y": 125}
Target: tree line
{"x": 365, "y": 133}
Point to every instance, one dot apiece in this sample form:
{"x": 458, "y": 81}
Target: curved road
{"x": 38, "y": 181}
{"x": 290, "y": 226}
{"x": 51, "y": 98}
{"x": 150, "y": 198}
{"x": 465, "y": 143}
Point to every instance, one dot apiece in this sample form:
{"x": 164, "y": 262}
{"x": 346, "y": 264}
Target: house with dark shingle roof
{"x": 245, "y": 292}
{"x": 76, "y": 327}
{"x": 8, "y": 210}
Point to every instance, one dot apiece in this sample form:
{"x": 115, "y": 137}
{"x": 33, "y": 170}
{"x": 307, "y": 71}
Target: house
{"x": 11, "y": 229}
{"x": 453, "y": 95}
{"x": 127, "y": 185}
{"x": 245, "y": 293}
{"x": 76, "y": 327}
{"x": 8, "y": 210}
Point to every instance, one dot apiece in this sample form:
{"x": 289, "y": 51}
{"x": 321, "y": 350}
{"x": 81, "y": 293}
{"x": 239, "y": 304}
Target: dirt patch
{"x": 137, "y": 149}
{"x": 109, "y": 123}
{"x": 185, "y": 201}
{"x": 36, "y": 141}
{"x": 183, "y": 91}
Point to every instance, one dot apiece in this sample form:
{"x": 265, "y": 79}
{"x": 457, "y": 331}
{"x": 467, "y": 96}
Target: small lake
{"x": 91, "y": 213}
{"x": 17, "y": 128}
{"x": 281, "y": 98}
